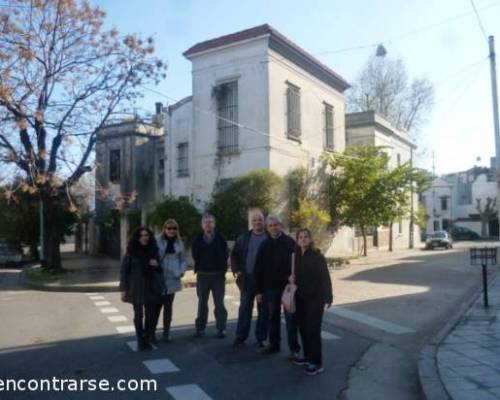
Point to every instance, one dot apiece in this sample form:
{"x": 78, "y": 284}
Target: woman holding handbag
{"x": 314, "y": 292}
{"x": 141, "y": 283}
{"x": 173, "y": 263}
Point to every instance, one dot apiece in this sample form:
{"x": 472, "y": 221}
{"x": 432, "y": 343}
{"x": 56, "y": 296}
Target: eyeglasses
{"x": 171, "y": 228}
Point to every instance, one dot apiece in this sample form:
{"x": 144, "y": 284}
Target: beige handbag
{"x": 288, "y": 297}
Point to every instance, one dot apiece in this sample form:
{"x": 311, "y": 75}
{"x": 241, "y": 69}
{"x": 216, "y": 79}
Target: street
{"x": 385, "y": 310}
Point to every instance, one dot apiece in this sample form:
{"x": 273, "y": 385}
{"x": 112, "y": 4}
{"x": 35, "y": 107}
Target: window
{"x": 328, "y": 127}
{"x": 114, "y": 166}
{"x": 227, "y": 109}
{"x": 293, "y": 111}
{"x": 161, "y": 168}
{"x": 182, "y": 159}
{"x": 444, "y": 203}
{"x": 436, "y": 225}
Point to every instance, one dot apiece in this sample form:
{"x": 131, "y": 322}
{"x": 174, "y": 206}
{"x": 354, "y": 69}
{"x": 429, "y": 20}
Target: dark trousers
{"x": 309, "y": 317}
{"x": 145, "y": 327}
{"x": 247, "y": 299}
{"x": 273, "y": 298}
{"x": 215, "y": 283}
{"x": 168, "y": 302}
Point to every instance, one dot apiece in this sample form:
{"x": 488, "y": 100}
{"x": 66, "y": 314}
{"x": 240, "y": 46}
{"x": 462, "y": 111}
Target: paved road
{"x": 86, "y": 336}
{"x": 385, "y": 310}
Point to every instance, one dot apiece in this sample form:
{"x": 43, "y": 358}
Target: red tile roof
{"x": 256, "y": 32}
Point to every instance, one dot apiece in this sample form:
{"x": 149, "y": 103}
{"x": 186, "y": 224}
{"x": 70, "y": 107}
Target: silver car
{"x": 439, "y": 239}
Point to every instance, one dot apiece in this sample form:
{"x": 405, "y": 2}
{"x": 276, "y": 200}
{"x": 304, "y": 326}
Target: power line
{"x": 479, "y": 20}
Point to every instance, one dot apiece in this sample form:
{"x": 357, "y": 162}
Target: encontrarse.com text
{"x": 77, "y": 385}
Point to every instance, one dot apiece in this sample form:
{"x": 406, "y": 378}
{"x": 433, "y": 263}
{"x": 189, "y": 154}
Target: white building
{"x": 452, "y": 200}
{"x": 369, "y": 128}
{"x": 259, "y": 101}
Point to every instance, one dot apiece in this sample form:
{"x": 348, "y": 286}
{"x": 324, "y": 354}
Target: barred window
{"x": 161, "y": 167}
{"x": 182, "y": 159}
{"x": 293, "y": 111}
{"x": 227, "y": 110}
{"x": 114, "y": 166}
{"x": 328, "y": 127}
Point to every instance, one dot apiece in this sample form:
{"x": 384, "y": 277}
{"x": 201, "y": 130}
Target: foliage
{"x": 297, "y": 187}
{"x": 310, "y": 215}
{"x": 487, "y": 212}
{"x": 182, "y": 210}
{"x": 422, "y": 217}
{"x": 383, "y": 86}
{"x": 62, "y": 76}
{"x": 232, "y": 201}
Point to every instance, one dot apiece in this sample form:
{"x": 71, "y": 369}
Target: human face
{"x": 304, "y": 240}
{"x": 258, "y": 223}
{"x": 144, "y": 238}
{"x": 171, "y": 231}
{"x": 274, "y": 228}
{"x": 208, "y": 225}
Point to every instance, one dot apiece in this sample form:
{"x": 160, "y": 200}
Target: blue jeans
{"x": 273, "y": 298}
{"x": 247, "y": 299}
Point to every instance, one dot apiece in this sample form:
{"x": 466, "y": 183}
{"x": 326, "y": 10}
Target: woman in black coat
{"x": 314, "y": 292}
{"x": 142, "y": 284}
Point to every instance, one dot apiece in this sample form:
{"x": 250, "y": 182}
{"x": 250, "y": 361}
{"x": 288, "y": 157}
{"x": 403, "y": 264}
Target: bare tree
{"x": 61, "y": 77}
{"x": 486, "y": 213}
{"x": 383, "y": 86}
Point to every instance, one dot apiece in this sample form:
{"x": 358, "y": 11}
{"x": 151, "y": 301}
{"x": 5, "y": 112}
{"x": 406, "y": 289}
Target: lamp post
{"x": 491, "y": 42}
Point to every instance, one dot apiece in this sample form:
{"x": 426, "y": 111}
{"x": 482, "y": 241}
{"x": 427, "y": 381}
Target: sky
{"x": 439, "y": 39}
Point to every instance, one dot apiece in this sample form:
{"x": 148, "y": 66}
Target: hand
{"x": 153, "y": 263}
{"x": 124, "y": 296}
{"x": 259, "y": 298}
{"x": 291, "y": 279}
{"x": 328, "y": 305}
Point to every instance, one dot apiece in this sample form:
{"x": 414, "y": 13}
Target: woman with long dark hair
{"x": 141, "y": 283}
{"x": 173, "y": 263}
{"x": 314, "y": 292}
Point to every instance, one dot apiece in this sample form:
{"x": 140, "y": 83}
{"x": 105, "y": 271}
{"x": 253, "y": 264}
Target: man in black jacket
{"x": 243, "y": 259}
{"x": 210, "y": 253}
{"x": 272, "y": 270}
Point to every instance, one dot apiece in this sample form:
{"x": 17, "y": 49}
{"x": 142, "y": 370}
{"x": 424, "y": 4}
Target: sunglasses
{"x": 171, "y": 228}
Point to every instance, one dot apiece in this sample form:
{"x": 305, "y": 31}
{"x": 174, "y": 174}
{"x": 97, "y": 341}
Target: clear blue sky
{"x": 439, "y": 39}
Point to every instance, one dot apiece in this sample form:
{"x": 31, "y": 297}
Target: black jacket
{"x": 240, "y": 252}
{"x": 273, "y": 263}
{"x": 210, "y": 257}
{"x": 142, "y": 283}
{"x": 312, "y": 277}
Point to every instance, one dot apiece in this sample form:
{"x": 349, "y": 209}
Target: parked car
{"x": 11, "y": 254}
{"x": 439, "y": 239}
{"x": 463, "y": 233}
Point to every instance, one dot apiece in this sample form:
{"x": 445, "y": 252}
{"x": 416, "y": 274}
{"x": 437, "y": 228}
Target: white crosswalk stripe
{"x": 160, "y": 366}
{"x": 191, "y": 392}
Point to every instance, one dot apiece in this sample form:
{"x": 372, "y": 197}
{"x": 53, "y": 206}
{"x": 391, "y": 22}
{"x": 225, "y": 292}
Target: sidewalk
{"x": 85, "y": 273}
{"x": 468, "y": 360}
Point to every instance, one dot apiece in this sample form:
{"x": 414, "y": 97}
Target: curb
{"x": 429, "y": 380}
{"x": 25, "y": 281}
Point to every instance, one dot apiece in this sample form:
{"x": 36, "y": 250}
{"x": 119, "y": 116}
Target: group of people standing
{"x": 261, "y": 260}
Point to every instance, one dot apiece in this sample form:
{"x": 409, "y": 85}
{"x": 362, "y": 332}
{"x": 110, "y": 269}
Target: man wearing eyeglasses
{"x": 210, "y": 254}
{"x": 243, "y": 259}
{"x": 272, "y": 270}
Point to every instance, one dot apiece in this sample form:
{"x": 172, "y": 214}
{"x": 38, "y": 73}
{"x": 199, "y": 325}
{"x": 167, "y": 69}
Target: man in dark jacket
{"x": 243, "y": 259}
{"x": 210, "y": 254}
{"x": 272, "y": 270}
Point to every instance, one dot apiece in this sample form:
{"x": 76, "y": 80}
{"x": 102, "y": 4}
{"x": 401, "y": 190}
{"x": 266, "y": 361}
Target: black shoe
{"x": 199, "y": 334}
{"x": 270, "y": 350}
{"x": 221, "y": 334}
{"x": 238, "y": 342}
{"x": 153, "y": 340}
{"x": 261, "y": 345}
{"x": 166, "y": 338}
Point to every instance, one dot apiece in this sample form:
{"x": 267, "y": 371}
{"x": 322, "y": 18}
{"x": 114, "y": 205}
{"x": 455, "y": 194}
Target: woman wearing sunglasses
{"x": 141, "y": 283}
{"x": 173, "y": 262}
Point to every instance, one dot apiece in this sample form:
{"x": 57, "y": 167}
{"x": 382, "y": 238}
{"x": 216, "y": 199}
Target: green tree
{"x": 62, "y": 76}
{"x": 182, "y": 210}
{"x": 356, "y": 195}
{"x": 310, "y": 215}
{"x": 487, "y": 212}
{"x": 232, "y": 201}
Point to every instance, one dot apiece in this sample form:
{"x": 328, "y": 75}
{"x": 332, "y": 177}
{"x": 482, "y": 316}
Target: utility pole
{"x": 493, "y": 69}
{"x": 42, "y": 236}
{"x": 412, "y": 208}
